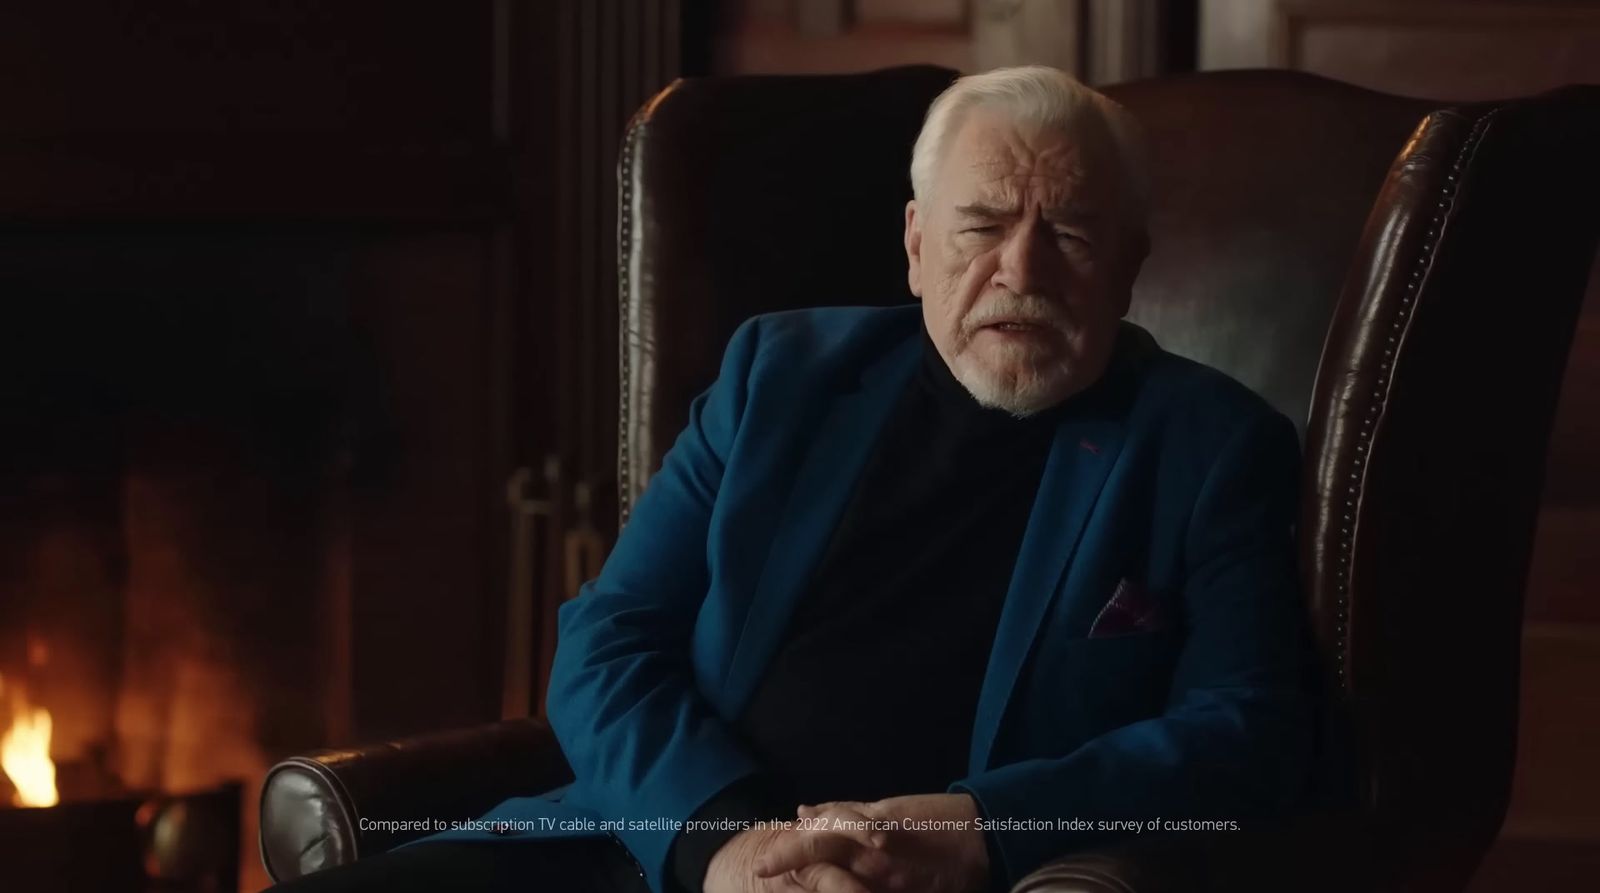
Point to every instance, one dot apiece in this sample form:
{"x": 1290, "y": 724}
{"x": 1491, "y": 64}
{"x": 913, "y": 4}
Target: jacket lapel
{"x": 1081, "y": 456}
{"x": 841, "y": 443}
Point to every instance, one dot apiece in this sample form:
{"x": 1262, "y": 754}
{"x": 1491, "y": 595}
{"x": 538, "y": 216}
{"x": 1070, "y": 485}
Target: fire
{"x": 25, "y": 755}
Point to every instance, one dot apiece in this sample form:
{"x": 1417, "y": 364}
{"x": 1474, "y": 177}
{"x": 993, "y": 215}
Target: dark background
{"x": 294, "y": 293}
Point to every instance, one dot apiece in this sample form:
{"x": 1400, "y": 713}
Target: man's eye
{"x": 1069, "y": 236}
{"x": 982, "y": 230}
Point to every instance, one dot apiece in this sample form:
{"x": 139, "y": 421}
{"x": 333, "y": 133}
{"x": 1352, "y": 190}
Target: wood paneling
{"x": 1555, "y": 793}
{"x": 404, "y": 72}
{"x": 434, "y": 179}
{"x": 194, "y": 197}
{"x": 607, "y": 58}
{"x": 1052, "y": 32}
{"x": 1551, "y": 837}
{"x": 1572, "y": 477}
{"x": 1442, "y": 50}
{"x": 931, "y": 12}
{"x": 1101, "y": 41}
{"x": 422, "y": 598}
{"x": 222, "y": 177}
{"x": 354, "y": 110}
{"x": 763, "y": 48}
{"x": 1517, "y": 865}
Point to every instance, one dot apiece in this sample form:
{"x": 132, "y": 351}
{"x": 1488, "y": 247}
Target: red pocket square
{"x": 1131, "y": 609}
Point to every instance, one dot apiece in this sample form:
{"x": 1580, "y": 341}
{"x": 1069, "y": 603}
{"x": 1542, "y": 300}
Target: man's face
{"x": 1024, "y": 260}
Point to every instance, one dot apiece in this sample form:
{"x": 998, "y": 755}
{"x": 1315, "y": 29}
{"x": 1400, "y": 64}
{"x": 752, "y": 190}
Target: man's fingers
{"x": 825, "y": 878}
{"x": 844, "y": 817}
{"x": 872, "y": 810}
{"x": 806, "y": 811}
{"x": 797, "y": 849}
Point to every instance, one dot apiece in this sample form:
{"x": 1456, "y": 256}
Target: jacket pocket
{"x": 1079, "y": 689}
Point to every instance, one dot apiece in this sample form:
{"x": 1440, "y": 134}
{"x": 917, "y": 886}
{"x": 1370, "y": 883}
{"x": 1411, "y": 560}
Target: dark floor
{"x": 1537, "y": 866}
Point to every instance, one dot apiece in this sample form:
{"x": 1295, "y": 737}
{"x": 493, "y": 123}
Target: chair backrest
{"x": 1430, "y": 421}
{"x": 1396, "y": 277}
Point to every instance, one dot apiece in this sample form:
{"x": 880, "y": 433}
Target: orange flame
{"x": 25, "y": 755}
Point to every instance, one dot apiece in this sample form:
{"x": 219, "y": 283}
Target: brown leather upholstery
{"x": 743, "y": 195}
{"x": 1425, "y": 458}
{"x": 312, "y": 806}
{"x": 748, "y": 194}
{"x": 1261, "y": 183}
{"x": 1401, "y": 280}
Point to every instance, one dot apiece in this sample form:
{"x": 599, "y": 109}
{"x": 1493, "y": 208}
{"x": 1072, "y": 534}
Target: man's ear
{"x": 913, "y": 249}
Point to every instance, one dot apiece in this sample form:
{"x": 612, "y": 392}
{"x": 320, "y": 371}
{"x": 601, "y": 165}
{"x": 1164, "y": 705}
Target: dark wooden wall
{"x": 446, "y": 171}
{"x": 295, "y": 292}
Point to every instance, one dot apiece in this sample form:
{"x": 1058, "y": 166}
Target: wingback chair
{"x": 1400, "y": 277}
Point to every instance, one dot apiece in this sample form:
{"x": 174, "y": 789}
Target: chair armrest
{"x": 313, "y": 806}
{"x": 1311, "y": 854}
{"x": 1090, "y": 872}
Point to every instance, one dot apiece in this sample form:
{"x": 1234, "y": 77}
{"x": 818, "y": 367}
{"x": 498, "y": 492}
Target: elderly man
{"x": 924, "y": 596}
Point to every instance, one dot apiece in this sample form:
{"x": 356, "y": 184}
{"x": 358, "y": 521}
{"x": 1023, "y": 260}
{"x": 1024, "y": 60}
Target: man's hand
{"x": 825, "y": 862}
{"x": 950, "y": 857}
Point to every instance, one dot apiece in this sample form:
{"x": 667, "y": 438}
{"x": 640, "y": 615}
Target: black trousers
{"x": 574, "y": 865}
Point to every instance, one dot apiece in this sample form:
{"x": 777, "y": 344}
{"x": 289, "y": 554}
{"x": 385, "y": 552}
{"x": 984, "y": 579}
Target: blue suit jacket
{"x": 1176, "y": 478}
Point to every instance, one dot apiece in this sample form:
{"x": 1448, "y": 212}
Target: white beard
{"x": 1035, "y": 388}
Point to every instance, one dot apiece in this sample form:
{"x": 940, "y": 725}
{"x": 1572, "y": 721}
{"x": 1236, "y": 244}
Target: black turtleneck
{"x": 873, "y": 692}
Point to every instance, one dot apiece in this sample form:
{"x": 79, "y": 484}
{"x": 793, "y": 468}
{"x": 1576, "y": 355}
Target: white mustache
{"x": 1015, "y": 308}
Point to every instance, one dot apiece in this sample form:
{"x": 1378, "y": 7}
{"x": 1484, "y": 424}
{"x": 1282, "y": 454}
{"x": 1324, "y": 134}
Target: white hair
{"x": 1044, "y": 97}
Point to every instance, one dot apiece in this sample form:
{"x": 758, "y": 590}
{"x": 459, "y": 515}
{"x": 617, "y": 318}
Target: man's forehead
{"x": 1003, "y": 184}
{"x": 993, "y": 155}
{"x": 1003, "y": 171}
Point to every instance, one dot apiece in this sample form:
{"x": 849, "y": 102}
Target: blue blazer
{"x": 1175, "y": 480}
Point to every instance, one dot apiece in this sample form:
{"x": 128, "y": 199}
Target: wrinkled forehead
{"x": 996, "y": 158}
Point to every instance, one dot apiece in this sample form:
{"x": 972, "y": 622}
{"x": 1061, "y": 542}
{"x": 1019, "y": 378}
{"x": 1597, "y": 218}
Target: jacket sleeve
{"x": 1234, "y": 742}
{"x": 644, "y": 744}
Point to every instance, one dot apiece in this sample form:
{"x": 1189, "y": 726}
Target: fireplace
{"x": 148, "y": 841}
{"x": 184, "y": 421}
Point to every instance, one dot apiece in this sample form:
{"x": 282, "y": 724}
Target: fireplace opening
{"x": 185, "y": 415}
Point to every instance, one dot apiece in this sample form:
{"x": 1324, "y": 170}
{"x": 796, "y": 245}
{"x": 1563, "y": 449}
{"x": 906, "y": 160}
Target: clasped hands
{"x": 850, "y": 847}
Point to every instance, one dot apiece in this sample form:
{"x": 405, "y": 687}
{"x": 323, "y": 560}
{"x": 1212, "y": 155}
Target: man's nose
{"x": 1026, "y": 260}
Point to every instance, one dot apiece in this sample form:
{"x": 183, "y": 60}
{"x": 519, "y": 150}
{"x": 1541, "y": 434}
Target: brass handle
{"x": 528, "y": 516}
{"x": 585, "y": 549}
{"x": 581, "y": 553}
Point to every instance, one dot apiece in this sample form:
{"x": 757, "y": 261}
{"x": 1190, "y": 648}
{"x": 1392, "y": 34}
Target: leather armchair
{"x": 1399, "y": 276}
